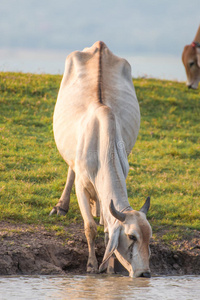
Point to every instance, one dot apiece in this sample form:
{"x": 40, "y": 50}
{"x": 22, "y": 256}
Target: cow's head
{"x": 191, "y": 61}
{"x": 129, "y": 241}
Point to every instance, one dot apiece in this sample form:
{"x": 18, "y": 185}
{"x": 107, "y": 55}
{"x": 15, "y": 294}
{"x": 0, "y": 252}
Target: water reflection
{"x": 103, "y": 287}
{"x": 99, "y": 287}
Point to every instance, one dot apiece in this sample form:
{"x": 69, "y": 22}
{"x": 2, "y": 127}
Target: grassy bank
{"x": 165, "y": 162}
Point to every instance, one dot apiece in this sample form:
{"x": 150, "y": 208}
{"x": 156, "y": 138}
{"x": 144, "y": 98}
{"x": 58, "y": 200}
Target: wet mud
{"x": 31, "y": 250}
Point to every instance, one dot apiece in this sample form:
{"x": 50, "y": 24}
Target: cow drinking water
{"x": 96, "y": 123}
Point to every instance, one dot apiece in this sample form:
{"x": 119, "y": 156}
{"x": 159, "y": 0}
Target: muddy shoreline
{"x": 32, "y": 250}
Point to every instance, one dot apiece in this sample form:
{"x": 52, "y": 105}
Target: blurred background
{"x": 37, "y": 35}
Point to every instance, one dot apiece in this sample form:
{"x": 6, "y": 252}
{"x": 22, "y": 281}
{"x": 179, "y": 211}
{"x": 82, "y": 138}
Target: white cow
{"x": 96, "y": 123}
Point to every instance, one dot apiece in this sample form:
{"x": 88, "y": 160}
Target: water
{"x": 99, "y": 287}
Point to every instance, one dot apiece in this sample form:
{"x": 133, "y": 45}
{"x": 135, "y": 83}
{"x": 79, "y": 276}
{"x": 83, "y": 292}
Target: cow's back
{"x": 119, "y": 94}
{"x": 95, "y": 76}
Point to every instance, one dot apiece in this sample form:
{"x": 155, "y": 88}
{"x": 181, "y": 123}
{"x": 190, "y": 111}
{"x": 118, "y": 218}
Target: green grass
{"x": 164, "y": 164}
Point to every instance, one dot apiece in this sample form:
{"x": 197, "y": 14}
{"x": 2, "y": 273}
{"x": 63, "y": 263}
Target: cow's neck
{"x": 197, "y": 36}
{"x": 111, "y": 184}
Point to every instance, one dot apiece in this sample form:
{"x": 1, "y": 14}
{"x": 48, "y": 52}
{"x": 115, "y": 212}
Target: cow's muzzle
{"x": 145, "y": 274}
{"x": 190, "y": 86}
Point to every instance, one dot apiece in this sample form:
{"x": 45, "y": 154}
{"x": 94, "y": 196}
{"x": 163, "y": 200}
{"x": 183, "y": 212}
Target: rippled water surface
{"x": 99, "y": 287}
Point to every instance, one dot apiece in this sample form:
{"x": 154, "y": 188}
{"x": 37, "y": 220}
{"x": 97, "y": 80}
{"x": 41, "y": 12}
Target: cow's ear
{"x": 112, "y": 245}
{"x": 198, "y": 56}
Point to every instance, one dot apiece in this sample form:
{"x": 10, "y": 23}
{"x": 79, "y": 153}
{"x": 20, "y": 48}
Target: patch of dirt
{"x": 31, "y": 250}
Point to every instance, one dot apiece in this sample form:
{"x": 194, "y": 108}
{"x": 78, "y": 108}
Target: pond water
{"x": 99, "y": 287}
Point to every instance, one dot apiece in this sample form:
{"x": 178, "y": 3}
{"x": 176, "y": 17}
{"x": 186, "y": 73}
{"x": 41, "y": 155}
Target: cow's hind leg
{"x": 89, "y": 225}
{"x": 62, "y": 206}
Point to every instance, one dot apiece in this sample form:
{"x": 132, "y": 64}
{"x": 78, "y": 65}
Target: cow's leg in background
{"x": 114, "y": 265}
{"x": 62, "y": 206}
{"x": 111, "y": 261}
{"x": 89, "y": 225}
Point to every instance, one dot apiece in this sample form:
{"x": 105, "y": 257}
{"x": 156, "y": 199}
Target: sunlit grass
{"x": 164, "y": 163}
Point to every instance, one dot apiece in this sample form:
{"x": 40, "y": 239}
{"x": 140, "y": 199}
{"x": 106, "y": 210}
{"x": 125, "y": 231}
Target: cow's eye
{"x": 191, "y": 64}
{"x": 132, "y": 237}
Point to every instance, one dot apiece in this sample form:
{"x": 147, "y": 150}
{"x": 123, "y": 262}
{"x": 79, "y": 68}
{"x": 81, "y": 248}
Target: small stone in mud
{"x": 176, "y": 266}
{"x": 71, "y": 243}
{"x": 176, "y": 257}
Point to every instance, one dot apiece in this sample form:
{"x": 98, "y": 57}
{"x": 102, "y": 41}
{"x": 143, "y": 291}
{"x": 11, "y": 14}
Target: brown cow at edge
{"x": 191, "y": 61}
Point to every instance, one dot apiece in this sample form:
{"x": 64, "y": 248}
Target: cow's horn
{"x": 117, "y": 214}
{"x": 146, "y": 206}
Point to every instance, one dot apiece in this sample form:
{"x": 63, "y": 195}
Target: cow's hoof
{"x": 110, "y": 270}
{"x": 54, "y": 211}
{"x": 91, "y": 269}
{"x": 58, "y": 210}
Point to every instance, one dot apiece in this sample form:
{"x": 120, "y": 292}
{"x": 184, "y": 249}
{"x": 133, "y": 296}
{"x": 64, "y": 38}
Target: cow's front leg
{"x": 62, "y": 206}
{"x": 89, "y": 225}
{"x": 111, "y": 261}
